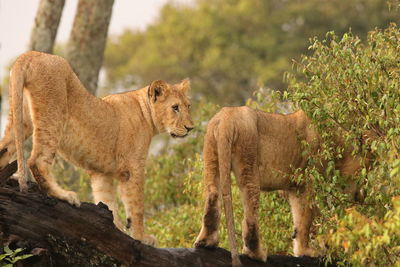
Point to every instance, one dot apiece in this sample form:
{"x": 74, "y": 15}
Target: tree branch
{"x": 86, "y": 236}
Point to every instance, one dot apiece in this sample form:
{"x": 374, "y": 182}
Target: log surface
{"x": 86, "y": 236}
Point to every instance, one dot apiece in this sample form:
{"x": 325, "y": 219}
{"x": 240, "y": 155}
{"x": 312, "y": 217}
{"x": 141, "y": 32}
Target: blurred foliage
{"x": 269, "y": 100}
{"x": 394, "y": 4}
{"x": 349, "y": 89}
{"x": 230, "y": 47}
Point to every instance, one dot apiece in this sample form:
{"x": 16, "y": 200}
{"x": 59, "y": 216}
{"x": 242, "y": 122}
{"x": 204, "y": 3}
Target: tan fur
{"x": 107, "y": 137}
{"x": 263, "y": 150}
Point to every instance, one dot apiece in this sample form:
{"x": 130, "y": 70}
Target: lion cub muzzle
{"x": 181, "y": 132}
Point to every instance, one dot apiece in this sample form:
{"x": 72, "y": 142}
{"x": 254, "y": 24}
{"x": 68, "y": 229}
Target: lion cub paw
{"x": 149, "y": 240}
{"x": 71, "y": 197}
{"x": 236, "y": 262}
{"x": 20, "y": 177}
{"x": 259, "y": 254}
{"x": 210, "y": 241}
{"x": 310, "y": 252}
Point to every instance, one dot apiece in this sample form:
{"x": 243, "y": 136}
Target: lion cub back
{"x": 277, "y": 138}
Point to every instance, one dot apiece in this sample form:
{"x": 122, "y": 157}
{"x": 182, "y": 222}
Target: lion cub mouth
{"x": 178, "y": 136}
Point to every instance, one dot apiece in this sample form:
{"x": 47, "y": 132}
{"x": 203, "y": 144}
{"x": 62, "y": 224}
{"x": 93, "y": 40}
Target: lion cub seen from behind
{"x": 107, "y": 137}
{"x": 263, "y": 150}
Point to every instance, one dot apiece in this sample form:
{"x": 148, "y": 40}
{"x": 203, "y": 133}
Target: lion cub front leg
{"x": 251, "y": 236}
{"x": 103, "y": 190}
{"x": 248, "y": 181}
{"x": 302, "y": 220}
{"x": 131, "y": 188}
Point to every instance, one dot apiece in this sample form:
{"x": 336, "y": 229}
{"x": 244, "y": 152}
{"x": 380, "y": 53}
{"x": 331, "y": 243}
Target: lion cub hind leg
{"x": 302, "y": 220}
{"x": 39, "y": 163}
{"x": 250, "y": 194}
{"x": 208, "y": 236}
{"x": 48, "y": 121}
{"x": 103, "y": 190}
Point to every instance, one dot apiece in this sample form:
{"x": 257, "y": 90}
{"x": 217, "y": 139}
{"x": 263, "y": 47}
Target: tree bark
{"x": 59, "y": 234}
{"x": 87, "y": 40}
{"x": 44, "y": 31}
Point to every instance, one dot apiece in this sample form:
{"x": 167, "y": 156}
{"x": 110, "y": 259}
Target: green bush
{"x": 350, "y": 88}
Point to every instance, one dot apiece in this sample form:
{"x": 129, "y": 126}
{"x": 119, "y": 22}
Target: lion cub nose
{"x": 189, "y": 128}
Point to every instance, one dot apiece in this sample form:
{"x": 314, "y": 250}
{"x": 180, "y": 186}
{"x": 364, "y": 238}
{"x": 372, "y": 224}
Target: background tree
{"x": 87, "y": 40}
{"x": 42, "y": 37}
{"x": 46, "y": 24}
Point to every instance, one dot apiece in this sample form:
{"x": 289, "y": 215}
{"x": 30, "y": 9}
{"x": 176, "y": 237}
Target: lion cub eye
{"x": 175, "y": 108}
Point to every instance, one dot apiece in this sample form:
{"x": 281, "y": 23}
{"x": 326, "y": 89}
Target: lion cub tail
{"x": 224, "y": 141}
{"x": 17, "y": 80}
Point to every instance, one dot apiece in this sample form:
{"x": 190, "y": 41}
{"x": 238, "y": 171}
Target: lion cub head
{"x": 171, "y": 107}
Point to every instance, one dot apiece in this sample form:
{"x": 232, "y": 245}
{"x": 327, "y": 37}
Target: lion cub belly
{"x": 85, "y": 150}
{"x": 277, "y": 164}
{"x": 273, "y": 179}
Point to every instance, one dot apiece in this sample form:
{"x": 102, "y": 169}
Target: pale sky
{"x": 17, "y": 16}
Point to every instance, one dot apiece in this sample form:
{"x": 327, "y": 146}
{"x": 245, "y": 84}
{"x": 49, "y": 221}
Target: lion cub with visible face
{"x": 107, "y": 137}
{"x": 263, "y": 150}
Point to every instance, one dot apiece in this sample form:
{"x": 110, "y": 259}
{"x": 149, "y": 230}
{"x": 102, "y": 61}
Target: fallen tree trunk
{"x": 62, "y": 235}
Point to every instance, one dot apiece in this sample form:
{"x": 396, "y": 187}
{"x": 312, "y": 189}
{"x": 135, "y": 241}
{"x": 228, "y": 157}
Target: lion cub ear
{"x": 156, "y": 90}
{"x": 184, "y": 85}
